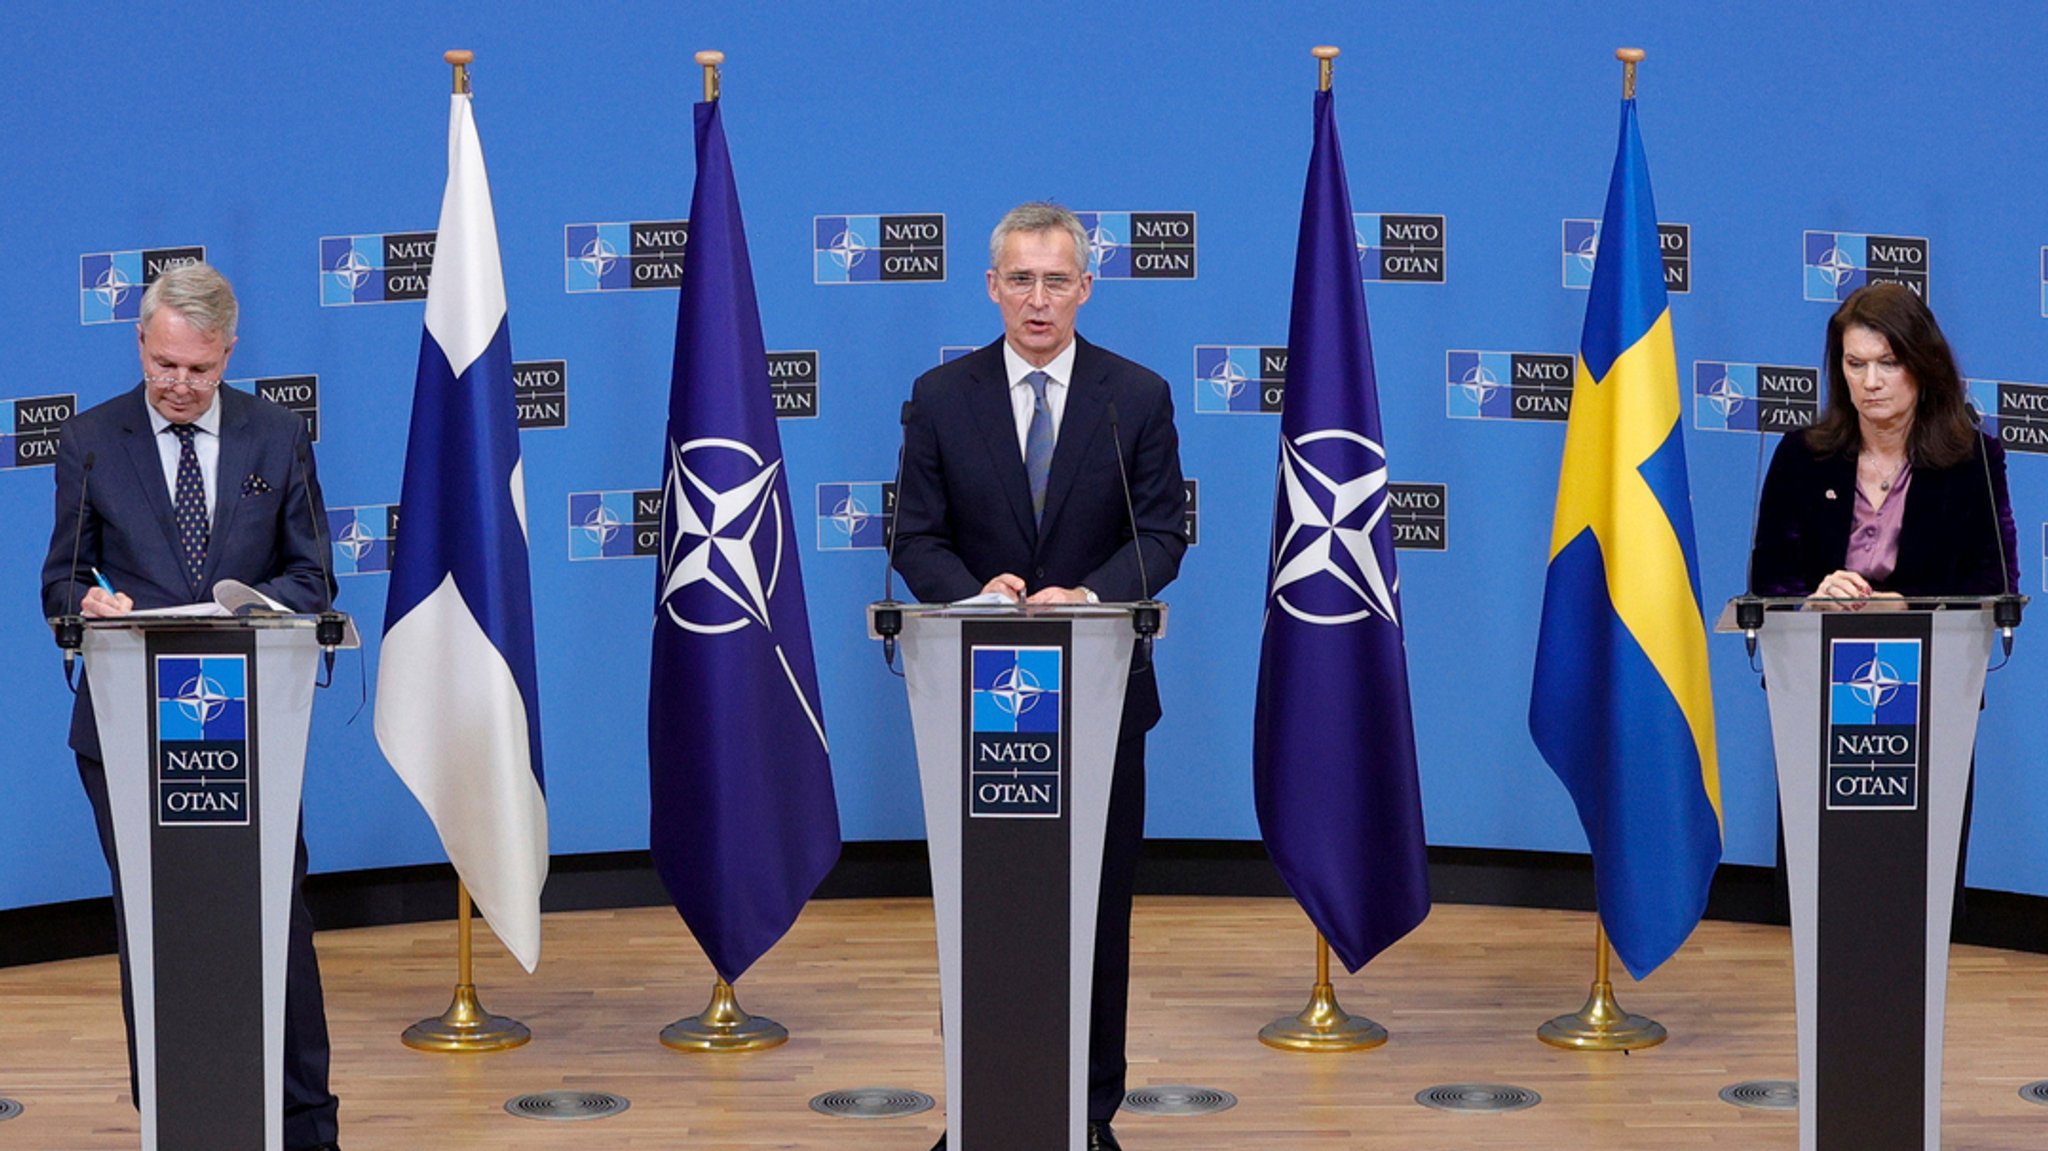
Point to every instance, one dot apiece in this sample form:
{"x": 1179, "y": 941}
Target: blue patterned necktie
{"x": 1038, "y": 443}
{"x": 190, "y": 504}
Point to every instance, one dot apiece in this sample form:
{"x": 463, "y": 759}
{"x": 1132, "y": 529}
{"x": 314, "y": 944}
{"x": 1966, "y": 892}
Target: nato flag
{"x": 744, "y": 823}
{"x": 1333, "y": 742}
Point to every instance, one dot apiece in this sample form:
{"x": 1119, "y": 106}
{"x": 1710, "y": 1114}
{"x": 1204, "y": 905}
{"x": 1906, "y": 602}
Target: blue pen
{"x": 102, "y": 581}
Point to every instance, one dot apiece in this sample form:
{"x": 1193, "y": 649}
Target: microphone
{"x": 2006, "y": 609}
{"x": 1749, "y": 607}
{"x": 333, "y": 626}
{"x": 1144, "y": 613}
{"x": 70, "y": 627}
{"x": 887, "y": 614}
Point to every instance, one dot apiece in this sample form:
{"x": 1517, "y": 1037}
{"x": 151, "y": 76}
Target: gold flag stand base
{"x": 1323, "y": 1025}
{"x": 724, "y": 1026}
{"x": 466, "y": 1026}
{"x": 1602, "y": 1024}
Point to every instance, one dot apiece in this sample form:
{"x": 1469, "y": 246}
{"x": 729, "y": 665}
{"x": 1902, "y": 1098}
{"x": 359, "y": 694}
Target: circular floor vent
{"x": 1178, "y": 1099}
{"x": 1478, "y": 1097}
{"x": 567, "y": 1105}
{"x": 872, "y": 1102}
{"x": 1763, "y": 1094}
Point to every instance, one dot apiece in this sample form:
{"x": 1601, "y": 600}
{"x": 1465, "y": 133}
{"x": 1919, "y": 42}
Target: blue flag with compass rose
{"x": 744, "y": 824}
{"x": 1333, "y": 740}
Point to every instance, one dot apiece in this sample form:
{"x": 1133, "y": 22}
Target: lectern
{"x": 1874, "y": 719}
{"x": 202, "y": 725}
{"x": 1016, "y": 711}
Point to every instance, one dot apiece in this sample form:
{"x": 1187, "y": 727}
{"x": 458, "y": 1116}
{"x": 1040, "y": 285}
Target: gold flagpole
{"x": 1602, "y": 1024}
{"x": 723, "y": 1025}
{"x": 1323, "y": 1025}
{"x": 465, "y": 1026}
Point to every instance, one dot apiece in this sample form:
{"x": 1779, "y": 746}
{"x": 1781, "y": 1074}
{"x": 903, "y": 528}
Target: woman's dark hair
{"x": 1943, "y": 434}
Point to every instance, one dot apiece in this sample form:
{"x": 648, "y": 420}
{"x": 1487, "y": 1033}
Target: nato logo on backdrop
{"x": 793, "y": 382}
{"x": 950, "y": 352}
{"x": 540, "y": 393}
{"x": 300, "y": 394}
{"x": 1507, "y": 385}
{"x": 2016, "y": 413}
{"x": 363, "y": 536}
{"x": 614, "y": 525}
{"x": 202, "y": 740}
{"x": 1140, "y": 245}
{"x": 1582, "y": 248}
{"x": 878, "y": 249}
{"x": 110, "y": 284}
{"x": 1873, "y": 756}
{"x": 1013, "y": 744}
{"x": 28, "y": 429}
{"x": 1420, "y": 516}
{"x": 1733, "y": 397}
{"x": 1191, "y": 513}
{"x": 1838, "y": 263}
{"x": 375, "y": 269}
{"x": 623, "y": 257}
{"x": 1237, "y": 379}
{"x": 855, "y": 516}
{"x": 1396, "y": 249}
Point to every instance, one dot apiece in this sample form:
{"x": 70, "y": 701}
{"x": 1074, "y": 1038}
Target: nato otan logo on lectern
{"x": 2016, "y": 413}
{"x": 379, "y": 268}
{"x": 110, "y": 284}
{"x": 878, "y": 249}
{"x": 1013, "y": 743}
{"x": 1873, "y": 756}
{"x": 1140, "y": 245}
{"x": 1236, "y": 379}
{"x": 1838, "y": 263}
{"x": 202, "y": 740}
{"x": 614, "y": 525}
{"x": 363, "y": 537}
{"x": 1734, "y": 397}
{"x": 29, "y": 427}
{"x": 624, "y": 256}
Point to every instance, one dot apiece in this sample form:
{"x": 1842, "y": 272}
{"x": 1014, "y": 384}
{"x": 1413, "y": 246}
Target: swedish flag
{"x": 1622, "y": 707}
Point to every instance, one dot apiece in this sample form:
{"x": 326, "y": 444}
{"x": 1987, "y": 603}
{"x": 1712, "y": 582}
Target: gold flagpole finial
{"x": 1326, "y": 56}
{"x": 459, "y": 58}
{"x": 1629, "y": 57}
{"x": 710, "y": 60}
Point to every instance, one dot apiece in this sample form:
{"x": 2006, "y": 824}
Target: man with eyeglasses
{"x": 1011, "y": 486}
{"x": 163, "y": 491}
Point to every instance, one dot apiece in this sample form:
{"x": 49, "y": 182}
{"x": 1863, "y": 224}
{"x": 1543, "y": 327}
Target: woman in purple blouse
{"x": 1893, "y": 492}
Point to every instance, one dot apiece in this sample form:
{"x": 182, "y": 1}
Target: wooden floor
{"x": 857, "y": 986}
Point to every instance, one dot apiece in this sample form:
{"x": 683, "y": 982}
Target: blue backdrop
{"x": 272, "y": 136}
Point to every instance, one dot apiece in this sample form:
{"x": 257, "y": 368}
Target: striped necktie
{"x": 1038, "y": 443}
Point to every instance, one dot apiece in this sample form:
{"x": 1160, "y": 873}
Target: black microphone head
{"x": 89, "y": 458}
{"x": 1112, "y": 413}
{"x": 903, "y": 416}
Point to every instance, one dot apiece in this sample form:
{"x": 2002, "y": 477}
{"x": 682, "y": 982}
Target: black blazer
{"x": 963, "y": 510}
{"x": 1948, "y": 539}
{"x": 269, "y": 525}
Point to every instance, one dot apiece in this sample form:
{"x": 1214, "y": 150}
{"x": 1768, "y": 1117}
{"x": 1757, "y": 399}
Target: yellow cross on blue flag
{"x": 1622, "y": 707}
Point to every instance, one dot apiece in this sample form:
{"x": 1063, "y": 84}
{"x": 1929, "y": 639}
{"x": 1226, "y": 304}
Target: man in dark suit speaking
{"x": 164, "y": 491}
{"x": 1010, "y": 485}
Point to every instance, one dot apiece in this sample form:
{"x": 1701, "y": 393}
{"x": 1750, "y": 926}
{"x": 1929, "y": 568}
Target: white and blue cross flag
{"x": 458, "y": 702}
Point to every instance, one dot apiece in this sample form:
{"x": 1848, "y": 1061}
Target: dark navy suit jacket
{"x": 269, "y": 524}
{"x": 1949, "y": 536}
{"x": 963, "y": 510}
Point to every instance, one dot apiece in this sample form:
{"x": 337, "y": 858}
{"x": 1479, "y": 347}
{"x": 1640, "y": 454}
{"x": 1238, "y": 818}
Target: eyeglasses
{"x": 198, "y": 387}
{"x": 1057, "y": 285}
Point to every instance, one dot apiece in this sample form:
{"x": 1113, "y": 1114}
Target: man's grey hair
{"x": 1039, "y": 216}
{"x": 200, "y": 294}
